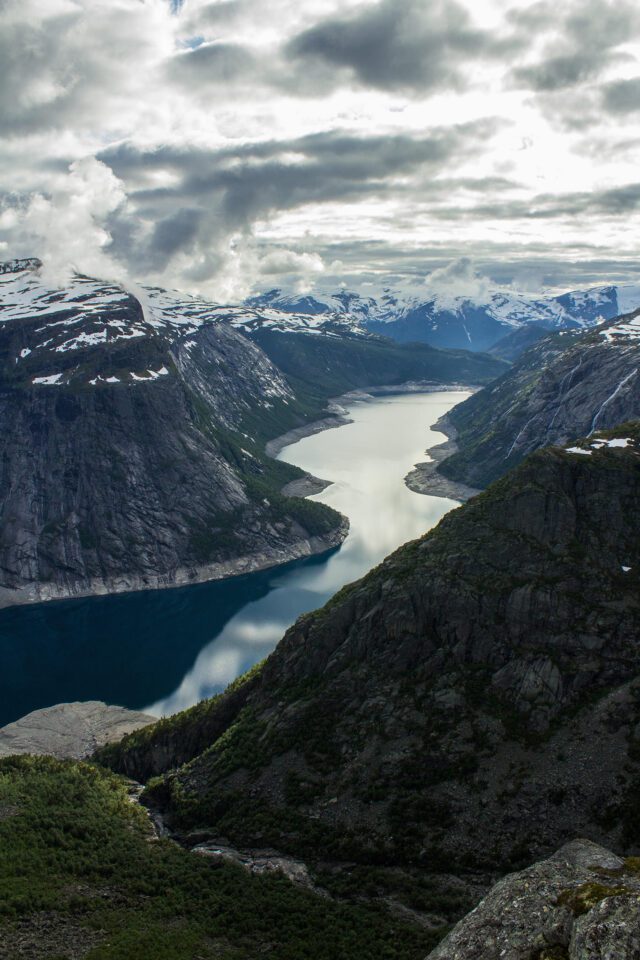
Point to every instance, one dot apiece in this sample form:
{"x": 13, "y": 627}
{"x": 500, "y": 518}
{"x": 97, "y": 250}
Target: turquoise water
{"x": 165, "y": 650}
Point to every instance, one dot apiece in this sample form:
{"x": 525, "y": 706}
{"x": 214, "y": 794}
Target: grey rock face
{"x": 564, "y": 387}
{"x": 70, "y": 730}
{"x": 583, "y": 903}
{"x": 132, "y": 452}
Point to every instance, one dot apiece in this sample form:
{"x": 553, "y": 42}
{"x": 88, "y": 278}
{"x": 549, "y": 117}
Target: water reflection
{"x": 367, "y": 460}
{"x": 170, "y": 648}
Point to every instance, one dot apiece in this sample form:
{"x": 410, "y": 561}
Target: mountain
{"x": 131, "y": 447}
{"x": 517, "y": 341}
{"x": 567, "y": 385}
{"x": 458, "y": 322}
{"x": 134, "y": 428}
{"x": 469, "y": 705}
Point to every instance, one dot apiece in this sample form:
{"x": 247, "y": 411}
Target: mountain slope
{"x": 132, "y": 448}
{"x": 83, "y": 875}
{"x": 450, "y": 709}
{"x": 329, "y": 366}
{"x": 565, "y": 386}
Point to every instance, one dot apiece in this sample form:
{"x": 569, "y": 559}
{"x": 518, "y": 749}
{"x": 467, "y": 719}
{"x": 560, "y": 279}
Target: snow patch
{"x": 51, "y": 380}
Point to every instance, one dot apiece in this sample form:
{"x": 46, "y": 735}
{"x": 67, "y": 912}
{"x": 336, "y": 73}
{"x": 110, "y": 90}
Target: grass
{"x": 76, "y": 855}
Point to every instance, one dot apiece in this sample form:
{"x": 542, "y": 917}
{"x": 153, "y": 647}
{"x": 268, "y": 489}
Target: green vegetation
{"x": 581, "y": 899}
{"x": 335, "y": 365}
{"x": 77, "y": 857}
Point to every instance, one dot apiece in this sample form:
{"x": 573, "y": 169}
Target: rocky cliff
{"x": 565, "y": 386}
{"x": 69, "y": 730}
{"x": 472, "y": 703}
{"x": 133, "y": 447}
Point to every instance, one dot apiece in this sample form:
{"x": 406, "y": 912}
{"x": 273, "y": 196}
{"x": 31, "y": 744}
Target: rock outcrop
{"x": 471, "y": 704}
{"x": 70, "y": 730}
{"x": 583, "y": 903}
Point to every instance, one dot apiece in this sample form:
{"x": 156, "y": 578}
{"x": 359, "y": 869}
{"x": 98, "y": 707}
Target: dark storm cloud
{"x": 581, "y": 42}
{"x": 176, "y": 231}
{"x": 216, "y": 193}
{"x": 622, "y": 96}
{"x": 410, "y": 46}
{"x": 556, "y": 73}
{"x": 216, "y": 14}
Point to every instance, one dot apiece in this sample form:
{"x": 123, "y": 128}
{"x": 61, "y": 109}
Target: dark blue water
{"x": 164, "y": 650}
{"x": 131, "y": 649}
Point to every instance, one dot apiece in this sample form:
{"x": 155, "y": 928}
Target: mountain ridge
{"x": 477, "y": 676}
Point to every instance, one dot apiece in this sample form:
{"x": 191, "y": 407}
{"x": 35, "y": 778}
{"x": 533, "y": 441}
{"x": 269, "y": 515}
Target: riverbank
{"x": 425, "y": 478}
{"x": 309, "y": 485}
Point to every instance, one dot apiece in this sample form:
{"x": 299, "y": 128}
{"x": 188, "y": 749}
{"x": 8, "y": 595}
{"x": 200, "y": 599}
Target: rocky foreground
{"x": 583, "y": 903}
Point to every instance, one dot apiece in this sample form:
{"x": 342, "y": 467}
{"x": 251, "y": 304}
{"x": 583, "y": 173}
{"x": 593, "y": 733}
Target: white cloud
{"x": 68, "y": 229}
{"x": 459, "y": 279}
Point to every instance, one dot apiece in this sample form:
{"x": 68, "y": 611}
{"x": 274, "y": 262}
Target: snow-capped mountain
{"x": 50, "y": 326}
{"x": 459, "y": 321}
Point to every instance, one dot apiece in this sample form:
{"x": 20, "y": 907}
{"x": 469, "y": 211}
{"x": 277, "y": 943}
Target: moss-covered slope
{"x": 83, "y": 876}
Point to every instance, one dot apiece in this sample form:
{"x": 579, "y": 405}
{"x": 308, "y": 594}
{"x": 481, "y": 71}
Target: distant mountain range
{"x": 457, "y": 321}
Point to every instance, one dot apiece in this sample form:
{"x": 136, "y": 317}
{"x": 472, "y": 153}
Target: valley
{"x": 191, "y": 642}
{"x": 391, "y": 699}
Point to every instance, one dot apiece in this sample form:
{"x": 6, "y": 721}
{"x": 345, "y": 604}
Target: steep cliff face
{"x": 453, "y": 707}
{"x": 565, "y": 386}
{"x": 133, "y": 449}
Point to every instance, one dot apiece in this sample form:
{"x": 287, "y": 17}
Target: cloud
{"x": 70, "y": 62}
{"x": 214, "y": 198}
{"x": 213, "y": 64}
{"x": 458, "y": 279}
{"x": 410, "y": 46}
{"x": 579, "y": 39}
{"x": 622, "y": 96}
{"x": 293, "y": 270}
{"x": 221, "y": 177}
{"x": 68, "y": 228}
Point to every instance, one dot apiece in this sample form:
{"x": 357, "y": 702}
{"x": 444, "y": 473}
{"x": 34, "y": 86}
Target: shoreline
{"x": 425, "y": 478}
{"x": 338, "y": 417}
{"x": 33, "y": 594}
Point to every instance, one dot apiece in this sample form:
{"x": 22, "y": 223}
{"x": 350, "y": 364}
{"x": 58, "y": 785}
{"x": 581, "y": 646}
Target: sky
{"x": 228, "y": 146}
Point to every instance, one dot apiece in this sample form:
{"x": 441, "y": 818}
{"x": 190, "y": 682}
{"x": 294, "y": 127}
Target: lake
{"x": 163, "y": 650}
